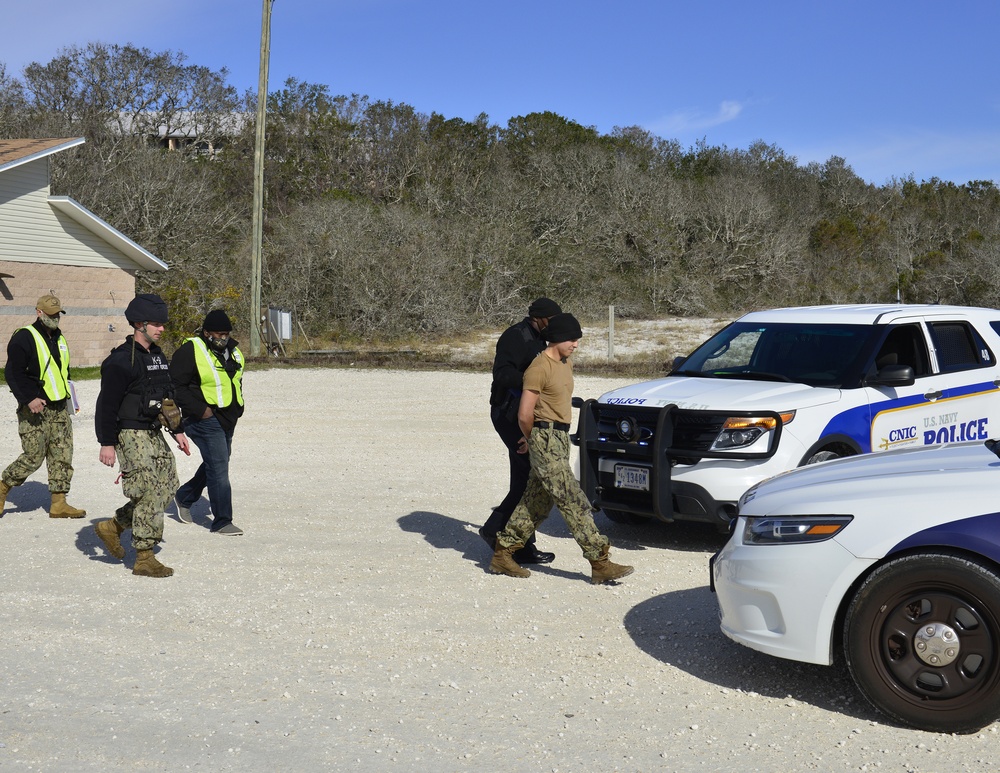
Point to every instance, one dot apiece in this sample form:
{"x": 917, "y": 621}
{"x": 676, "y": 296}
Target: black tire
{"x": 620, "y": 516}
{"x": 890, "y": 649}
{"x": 822, "y": 456}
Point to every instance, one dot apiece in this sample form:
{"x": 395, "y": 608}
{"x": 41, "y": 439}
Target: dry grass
{"x": 642, "y": 348}
{"x": 649, "y": 345}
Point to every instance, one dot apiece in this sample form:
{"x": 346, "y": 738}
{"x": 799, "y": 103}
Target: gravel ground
{"x": 355, "y": 625}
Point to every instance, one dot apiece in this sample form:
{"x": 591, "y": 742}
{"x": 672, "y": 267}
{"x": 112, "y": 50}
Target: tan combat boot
{"x": 604, "y": 570}
{"x": 146, "y": 565}
{"x": 503, "y": 562}
{"x": 109, "y": 531}
{"x": 60, "y": 508}
{"x": 4, "y": 491}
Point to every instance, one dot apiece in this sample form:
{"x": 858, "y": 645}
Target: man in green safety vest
{"x": 37, "y": 372}
{"x": 207, "y": 371}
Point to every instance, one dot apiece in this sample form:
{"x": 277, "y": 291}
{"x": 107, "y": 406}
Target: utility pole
{"x": 258, "y": 182}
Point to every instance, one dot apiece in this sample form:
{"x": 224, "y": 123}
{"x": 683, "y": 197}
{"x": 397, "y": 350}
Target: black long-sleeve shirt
{"x": 21, "y": 371}
{"x": 516, "y": 348}
{"x": 132, "y": 372}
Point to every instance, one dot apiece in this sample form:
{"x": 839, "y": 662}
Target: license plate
{"x": 635, "y": 478}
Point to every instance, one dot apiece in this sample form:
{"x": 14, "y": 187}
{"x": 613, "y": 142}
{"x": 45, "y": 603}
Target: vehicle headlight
{"x": 743, "y": 431}
{"x": 792, "y": 529}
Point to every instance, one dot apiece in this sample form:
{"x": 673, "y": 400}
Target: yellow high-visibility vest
{"x": 217, "y": 387}
{"x": 55, "y": 381}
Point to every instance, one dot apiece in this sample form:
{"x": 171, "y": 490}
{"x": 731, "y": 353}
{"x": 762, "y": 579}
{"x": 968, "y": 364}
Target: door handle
{"x": 937, "y": 394}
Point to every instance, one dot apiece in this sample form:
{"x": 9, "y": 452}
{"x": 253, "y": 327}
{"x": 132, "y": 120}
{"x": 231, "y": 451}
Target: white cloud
{"x": 681, "y": 123}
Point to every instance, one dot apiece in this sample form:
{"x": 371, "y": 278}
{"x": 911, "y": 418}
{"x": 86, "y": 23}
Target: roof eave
{"x": 43, "y": 153}
{"x": 140, "y": 256}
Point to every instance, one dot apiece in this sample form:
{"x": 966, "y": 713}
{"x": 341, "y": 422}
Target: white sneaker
{"x": 183, "y": 513}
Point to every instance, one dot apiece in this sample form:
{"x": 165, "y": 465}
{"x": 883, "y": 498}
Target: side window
{"x": 904, "y": 345}
{"x": 736, "y": 354}
{"x": 959, "y": 346}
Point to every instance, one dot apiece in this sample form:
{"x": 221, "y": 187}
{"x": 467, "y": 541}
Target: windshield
{"x": 813, "y": 354}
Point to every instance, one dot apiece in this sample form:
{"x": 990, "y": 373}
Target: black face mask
{"x": 219, "y": 344}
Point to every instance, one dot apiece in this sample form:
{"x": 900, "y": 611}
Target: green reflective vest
{"x": 55, "y": 379}
{"x": 217, "y": 387}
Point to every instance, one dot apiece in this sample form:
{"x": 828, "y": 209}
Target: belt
{"x": 552, "y": 425}
{"x": 55, "y": 405}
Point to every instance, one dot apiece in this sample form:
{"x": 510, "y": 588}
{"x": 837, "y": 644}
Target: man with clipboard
{"x": 37, "y": 372}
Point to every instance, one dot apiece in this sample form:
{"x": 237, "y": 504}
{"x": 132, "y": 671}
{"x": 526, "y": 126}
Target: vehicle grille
{"x": 693, "y": 431}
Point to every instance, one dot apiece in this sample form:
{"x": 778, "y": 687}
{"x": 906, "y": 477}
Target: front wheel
{"x": 922, "y": 642}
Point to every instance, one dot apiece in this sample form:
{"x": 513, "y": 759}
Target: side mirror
{"x": 893, "y": 376}
{"x": 677, "y": 363}
{"x": 577, "y": 402}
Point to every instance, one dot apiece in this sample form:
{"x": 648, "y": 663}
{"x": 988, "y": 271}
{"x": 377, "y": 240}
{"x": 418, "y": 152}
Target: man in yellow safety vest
{"x": 37, "y": 372}
{"x": 207, "y": 371}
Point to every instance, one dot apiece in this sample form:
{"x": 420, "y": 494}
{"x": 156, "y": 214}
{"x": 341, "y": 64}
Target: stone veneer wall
{"x": 95, "y": 300}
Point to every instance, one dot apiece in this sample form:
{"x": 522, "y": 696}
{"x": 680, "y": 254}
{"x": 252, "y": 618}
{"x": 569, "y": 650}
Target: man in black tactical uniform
{"x": 516, "y": 348}
{"x": 134, "y": 404}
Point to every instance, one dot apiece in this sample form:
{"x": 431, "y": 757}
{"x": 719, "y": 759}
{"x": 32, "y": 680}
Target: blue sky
{"x": 896, "y": 88}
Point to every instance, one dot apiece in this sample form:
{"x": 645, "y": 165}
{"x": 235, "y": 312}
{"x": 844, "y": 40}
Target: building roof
{"x": 16, "y": 152}
{"x": 108, "y": 233}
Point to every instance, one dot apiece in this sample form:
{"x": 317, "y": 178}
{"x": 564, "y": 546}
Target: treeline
{"x": 382, "y": 221}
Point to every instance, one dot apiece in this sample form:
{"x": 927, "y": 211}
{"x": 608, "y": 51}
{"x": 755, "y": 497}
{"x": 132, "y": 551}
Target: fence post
{"x": 611, "y": 332}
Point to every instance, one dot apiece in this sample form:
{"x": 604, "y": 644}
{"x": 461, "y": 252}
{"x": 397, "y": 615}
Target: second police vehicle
{"x": 784, "y": 388}
{"x": 889, "y": 566}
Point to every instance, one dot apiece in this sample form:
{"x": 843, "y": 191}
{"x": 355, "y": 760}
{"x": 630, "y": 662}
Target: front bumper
{"x": 783, "y": 599}
{"x": 671, "y": 447}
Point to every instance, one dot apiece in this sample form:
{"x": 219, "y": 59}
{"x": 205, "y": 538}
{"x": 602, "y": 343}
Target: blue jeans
{"x": 216, "y": 446}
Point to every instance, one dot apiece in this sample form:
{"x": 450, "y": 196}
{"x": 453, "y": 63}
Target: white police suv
{"x": 779, "y": 389}
{"x": 892, "y": 560}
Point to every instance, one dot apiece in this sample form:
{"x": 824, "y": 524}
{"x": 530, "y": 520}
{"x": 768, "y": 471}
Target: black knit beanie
{"x": 217, "y": 321}
{"x": 562, "y": 327}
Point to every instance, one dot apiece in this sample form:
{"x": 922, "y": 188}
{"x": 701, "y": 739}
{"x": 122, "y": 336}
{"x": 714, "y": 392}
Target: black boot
{"x": 529, "y": 554}
{"x": 489, "y": 539}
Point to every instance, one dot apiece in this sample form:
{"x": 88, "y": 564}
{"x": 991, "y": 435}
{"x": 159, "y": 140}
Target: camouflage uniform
{"x": 37, "y": 370}
{"x": 551, "y": 482}
{"x": 149, "y": 480}
{"x": 45, "y": 437}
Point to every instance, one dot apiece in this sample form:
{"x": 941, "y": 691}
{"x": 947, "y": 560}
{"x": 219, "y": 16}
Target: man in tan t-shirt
{"x": 544, "y": 416}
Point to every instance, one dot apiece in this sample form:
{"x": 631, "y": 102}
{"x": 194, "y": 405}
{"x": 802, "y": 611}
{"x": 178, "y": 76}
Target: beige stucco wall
{"x": 95, "y": 299}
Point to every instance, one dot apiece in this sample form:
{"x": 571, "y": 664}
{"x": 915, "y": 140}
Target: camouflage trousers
{"x": 45, "y": 437}
{"x": 551, "y": 482}
{"x": 149, "y": 480}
